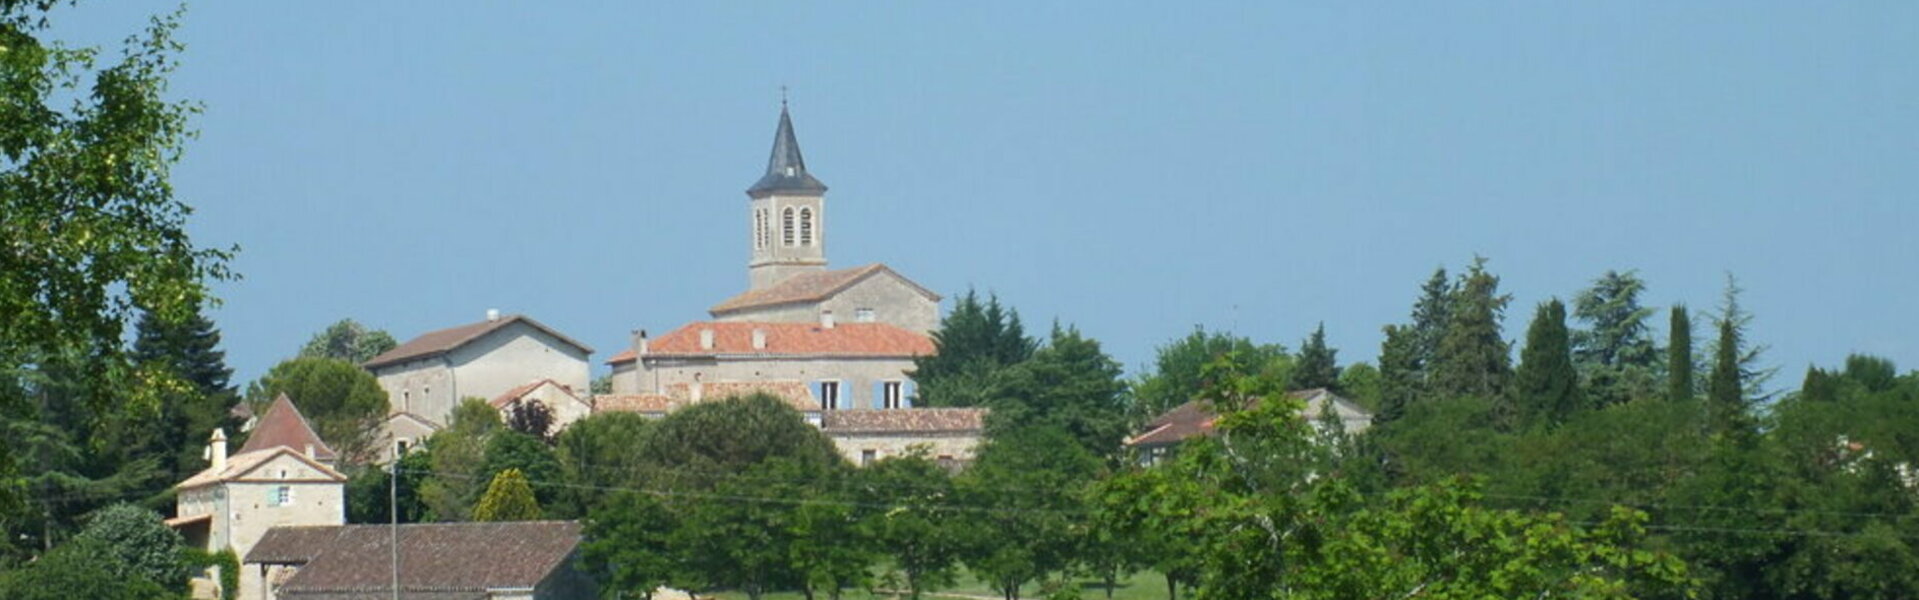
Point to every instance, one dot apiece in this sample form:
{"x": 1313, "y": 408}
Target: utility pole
{"x": 393, "y": 514}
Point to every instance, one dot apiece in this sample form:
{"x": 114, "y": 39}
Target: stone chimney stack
{"x": 492, "y": 314}
{"x": 706, "y": 339}
{"x": 826, "y": 319}
{"x": 759, "y": 339}
{"x": 217, "y": 449}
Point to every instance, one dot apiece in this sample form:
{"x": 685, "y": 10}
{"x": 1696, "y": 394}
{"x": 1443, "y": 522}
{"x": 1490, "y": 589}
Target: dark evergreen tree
{"x": 1399, "y": 382}
{"x": 1754, "y": 374}
{"x": 973, "y": 340}
{"x": 1473, "y": 360}
{"x": 1615, "y": 353}
{"x": 1724, "y": 393}
{"x": 1545, "y": 387}
{"x": 1431, "y": 315}
{"x": 1318, "y": 366}
{"x": 1679, "y": 360}
{"x": 189, "y": 350}
{"x": 1070, "y": 384}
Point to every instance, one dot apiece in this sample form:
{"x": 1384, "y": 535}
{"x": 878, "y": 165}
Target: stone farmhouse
{"x": 1159, "y": 438}
{"x": 501, "y": 358}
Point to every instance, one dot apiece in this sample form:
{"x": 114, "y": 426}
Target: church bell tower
{"x": 788, "y": 216}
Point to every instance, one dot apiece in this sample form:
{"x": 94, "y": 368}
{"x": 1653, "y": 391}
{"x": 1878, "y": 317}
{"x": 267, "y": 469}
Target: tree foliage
{"x": 508, "y": 498}
{"x": 1615, "y": 353}
{"x": 1545, "y": 387}
{"x": 532, "y": 418}
{"x": 343, "y": 401}
{"x": 1472, "y": 358}
{"x": 1679, "y": 358}
{"x": 1175, "y": 377}
{"x": 1317, "y": 365}
{"x": 348, "y": 340}
{"x": 974, "y": 339}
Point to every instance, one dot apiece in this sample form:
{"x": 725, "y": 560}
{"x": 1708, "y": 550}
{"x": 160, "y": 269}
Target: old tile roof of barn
{"x": 812, "y": 286}
{"x": 904, "y": 420}
{"x": 438, "y": 560}
{"x": 435, "y": 343}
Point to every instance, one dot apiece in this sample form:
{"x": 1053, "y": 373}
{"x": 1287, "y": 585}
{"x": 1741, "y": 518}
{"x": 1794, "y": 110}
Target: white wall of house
{"x": 888, "y": 298}
{"x": 955, "y": 446}
{"x": 244, "y": 508}
{"x": 486, "y": 367}
{"x": 858, "y": 377}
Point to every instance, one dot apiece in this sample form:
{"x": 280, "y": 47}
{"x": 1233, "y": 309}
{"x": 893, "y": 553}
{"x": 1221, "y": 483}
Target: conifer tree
{"x": 1615, "y": 353}
{"x": 508, "y": 498}
{"x": 1318, "y": 366}
{"x": 1399, "y": 382}
{"x": 1724, "y": 393}
{"x": 188, "y": 348}
{"x": 1473, "y": 360}
{"x": 1431, "y": 314}
{"x": 974, "y": 340}
{"x": 1545, "y": 387}
{"x": 1679, "y": 364}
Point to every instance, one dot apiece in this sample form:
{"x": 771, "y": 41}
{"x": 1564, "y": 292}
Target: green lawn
{"x": 1141, "y": 586}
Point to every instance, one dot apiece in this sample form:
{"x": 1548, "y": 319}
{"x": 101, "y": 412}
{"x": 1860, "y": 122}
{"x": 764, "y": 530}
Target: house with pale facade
{"x": 1160, "y": 437}
{"x": 562, "y": 401}
{"x": 427, "y": 376}
{"x": 949, "y": 436}
{"x": 282, "y": 476}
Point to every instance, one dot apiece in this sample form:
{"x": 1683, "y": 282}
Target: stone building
{"x": 282, "y": 476}
{"x": 428, "y": 375}
{"x": 849, "y": 336}
{"x": 1157, "y": 440}
{"x": 562, "y": 401}
{"x": 946, "y": 435}
{"x": 528, "y": 560}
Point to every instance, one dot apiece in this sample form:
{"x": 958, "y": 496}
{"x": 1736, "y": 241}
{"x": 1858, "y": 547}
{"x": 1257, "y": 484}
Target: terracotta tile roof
{"x": 627, "y": 355}
{"x": 283, "y": 425}
{"x": 523, "y": 389}
{"x": 904, "y": 420}
{"x": 239, "y": 465}
{"x": 351, "y": 561}
{"x": 844, "y": 339}
{"x": 639, "y": 403}
{"x": 796, "y": 394}
{"x": 1196, "y": 418}
{"x": 811, "y": 286}
{"x": 434, "y": 343}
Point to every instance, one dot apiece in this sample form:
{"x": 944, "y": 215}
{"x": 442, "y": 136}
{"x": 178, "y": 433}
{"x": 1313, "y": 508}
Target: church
{"x": 832, "y": 339}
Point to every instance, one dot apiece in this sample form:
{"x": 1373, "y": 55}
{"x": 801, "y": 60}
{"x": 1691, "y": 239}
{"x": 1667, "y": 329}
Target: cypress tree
{"x": 1726, "y": 399}
{"x": 1679, "y": 365}
{"x": 1546, "y": 387}
{"x": 1398, "y": 373}
{"x": 1318, "y": 365}
{"x": 1473, "y": 360}
{"x": 975, "y": 338}
{"x": 1431, "y": 314}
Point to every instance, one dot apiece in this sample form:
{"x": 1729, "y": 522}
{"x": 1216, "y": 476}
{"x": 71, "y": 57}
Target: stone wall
{"x": 858, "y": 376}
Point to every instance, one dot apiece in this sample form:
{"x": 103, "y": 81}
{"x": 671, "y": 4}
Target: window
{"x": 283, "y": 495}
{"x": 863, "y": 315}
{"x": 283, "y": 473}
{"x": 759, "y": 229}
{"x": 406, "y": 400}
{"x": 891, "y": 392}
{"x": 868, "y": 456}
{"x": 806, "y": 227}
{"x": 786, "y": 226}
{"x": 829, "y": 395}
{"x": 400, "y": 446}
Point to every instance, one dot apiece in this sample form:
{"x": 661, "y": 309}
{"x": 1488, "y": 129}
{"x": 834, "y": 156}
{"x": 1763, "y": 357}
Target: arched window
{"x": 786, "y": 228}
{"x": 806, "y": 227}
{"x": 759, "y": 229}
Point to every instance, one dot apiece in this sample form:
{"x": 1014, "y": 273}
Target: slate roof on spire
{"x": 283, "y": 425}
{"x": 786, "y": 169}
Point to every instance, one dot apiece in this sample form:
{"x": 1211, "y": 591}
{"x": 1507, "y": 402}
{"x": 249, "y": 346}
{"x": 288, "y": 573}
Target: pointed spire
{"x": 786, "y": 169}
{"x": 283, "y": 425}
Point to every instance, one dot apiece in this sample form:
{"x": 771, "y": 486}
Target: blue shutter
{"x": 846, "y": 395}
{"x": 906, "y": 394}
{"x": 879, "y": 394}
{"x": 819, "y": 392}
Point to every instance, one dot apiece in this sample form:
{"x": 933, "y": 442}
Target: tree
{"x": 598, "y": 453}
{"x": 531, "y": 417}
{"x": 342, "y": 400}
{"x": 1023, "y": 484}
{"x": 1399, "y": 374}
{"x": 457, "y": 456}
{"x": 1753, "y": 372}
{"x": 533, "y": 459}
{"x": 626, "y": 546}
{"x": 974, "y": 337}
{"x": 508, "y": 498}
{"x": 1616, "y": 353}
{"x": 1317, "y": 366}
{"x": 74, "y": 570}
{"x": 1432, "y": 314}
{"x": 908, "y": 519}
{"x": 190, "y": 350}
{"x": 350, "y": 341}
{"x": 137, "y": 545}
{"x": 1725, "y": 397}
{"x": 1472, "y": 358}
{"x": 94, "y": 233}
{"x": 700, "y": 445}
{"x": 1175, "y": 377}
{"x": 1361, "y": 383}
{"x": 1545, "y": 388}
{"x": 747, "y": 543}
{"x": 1679, "y": 359}
{"x": 1070, "y": 384}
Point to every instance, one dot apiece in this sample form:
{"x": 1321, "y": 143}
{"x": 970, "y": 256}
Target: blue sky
{"x": 1133, "y": 168}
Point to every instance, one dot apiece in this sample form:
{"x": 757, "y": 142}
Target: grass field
{"x": 1141, "y": 586}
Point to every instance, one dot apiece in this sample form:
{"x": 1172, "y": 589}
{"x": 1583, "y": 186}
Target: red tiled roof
{"x": 434, "y": 343}
{"x": 905, "y": 420}
{"x": 627, "y": 355}
{"x": 811, "y": 286}
{"x": 639, "y": 403}
{"x": 352, "y": 560}
{"x": 283, "y": 425}
{"x": 523, "y": 389}
{"x": 1196, "y": 418}
{"x": 845, "y": 339}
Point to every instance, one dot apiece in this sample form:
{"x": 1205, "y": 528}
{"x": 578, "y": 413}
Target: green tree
{"x": 1725, "y": 396}
{"x": 190, "y": 350}
{"x": 1679, "y": 358}
{"x": 1615, "y": 352}
{"x": 1432, "y": 315}
{"x": 533, "y": 459}
{"x": 1024, "y": 485}
{"x": 747, "y": 542}
{"x": 93, "y": 229}
{"x": 348, "y": 340}
{"x": 1545, "y": 387}
{"x": 1175, "y": 375}
{"x": 697, "y": 446}
{"x": 1361, "y": 382}
{"x": 137, "y": 545}
{"x": 1317, "y": 365}
{"x": 1070, "y": 384}
{"x": 1399, "y": 373}
{"x": 1472, "y": 358}
{"x": 626, "y": 546}
{"x": 598, "y": 453}
{"x": 974, "y": 338}
{"x": 457, "y": 456}
{"x": 1754, "y": 373}
{"x": 342, "y": 400}
{"x": 74, "y": 570}
{"x": 508, "y": 498}
{"x": 908, "y": 518}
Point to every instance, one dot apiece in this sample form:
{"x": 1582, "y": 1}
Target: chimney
{"x": 706, "y": 339}
{"x": 310, "y": 451}
{"x": 759, "y": 339}
{"x": 826, "y": 319}
{"x": 492, "y": 314}
{"x": 217, "y": 449}
{"x": 639, "y": 341}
